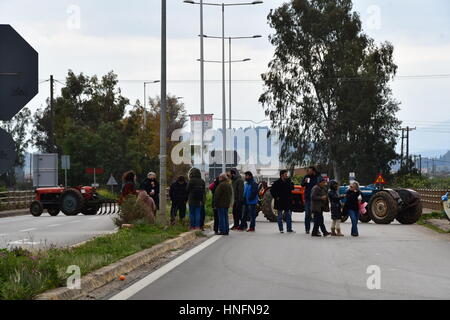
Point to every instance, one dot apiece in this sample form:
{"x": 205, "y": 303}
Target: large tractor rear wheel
{"x": 36, "y": 209}
{"x": 267, "y": 207}
{"x": 383, "y": 208}
{"x": 410, "y": 215}
{"x": 72, "y": 202}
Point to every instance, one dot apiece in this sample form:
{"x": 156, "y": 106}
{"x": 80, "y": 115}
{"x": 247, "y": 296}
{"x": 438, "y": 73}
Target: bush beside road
{"x": 24, "y": 274}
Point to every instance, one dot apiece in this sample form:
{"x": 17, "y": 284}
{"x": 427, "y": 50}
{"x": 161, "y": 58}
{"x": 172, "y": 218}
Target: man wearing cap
{"x": 151, "y": 186}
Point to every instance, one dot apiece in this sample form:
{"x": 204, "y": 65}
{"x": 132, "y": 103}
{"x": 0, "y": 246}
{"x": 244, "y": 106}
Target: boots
{"x": 339, "y": 234}
{"x": 333, "y": 232}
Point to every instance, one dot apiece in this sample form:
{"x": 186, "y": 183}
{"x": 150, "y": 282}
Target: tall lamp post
{"x": 230, "y": 59}
{"x": 163, "y": 129}
{"x": 224, "y": 111}
{"x": 145, "y": 99}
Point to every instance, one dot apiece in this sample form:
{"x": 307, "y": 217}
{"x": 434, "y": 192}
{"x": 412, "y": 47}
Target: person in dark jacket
{"x": 238, "y": 196}
{"x": 151, "y": 185}
{"x": 250, "y": 202}
{"x": 128, "y": 186}
{"x": 319, "y": 205}
{"x": 309, "y": 181}
{"x": 353, "y": 198}
{"x": 212, "y": 187}
{"x": 282, "y": 193}
{"x": 336, "y": 209}
{"x": 222, "y": 201}
{"x": 196, "y": 189}
{"x": 179, "y": 196}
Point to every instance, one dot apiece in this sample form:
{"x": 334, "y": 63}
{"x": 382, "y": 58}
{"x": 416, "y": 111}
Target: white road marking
{"x": 140, "y": 285}
{"x": 28, "y": 230}
{"x": 97, "y": 218}
{"x": 76, "y": 221}
{"x": 54, "y": 225}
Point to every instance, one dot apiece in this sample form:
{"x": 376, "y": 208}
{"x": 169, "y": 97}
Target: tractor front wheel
{"x": 72, "y": 202}
{"x": 36, "y": 208}
{"x": 383, "y": 208}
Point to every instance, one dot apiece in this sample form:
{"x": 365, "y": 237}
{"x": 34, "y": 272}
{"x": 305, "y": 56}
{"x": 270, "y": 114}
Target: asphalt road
{"x": 46, "y": 231}
{"x": 414, "y": 263}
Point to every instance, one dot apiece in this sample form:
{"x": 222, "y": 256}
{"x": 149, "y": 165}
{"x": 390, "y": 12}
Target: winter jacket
{"x": 251, "y": 192}
{"x": 318, "y": 204}
{"x": 238, "y": 189}
{"x": 352, "y": 202}
{"x": 213, "y": 187}
{"x": 223, "y": 195}
{"x": 336, "y": 206}
{"x": 150, "y": 185}
{"x": 128, "y": 188}
{"x": 309, "y": 186}
{"x": 196, "y": 188}
{"x": 178, "y": 193}
{"x": 282, "y": 193}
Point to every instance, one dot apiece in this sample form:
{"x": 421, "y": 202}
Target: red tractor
{"x": 71, "y": 201}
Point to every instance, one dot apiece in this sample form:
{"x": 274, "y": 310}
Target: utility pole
{"x": 52, "y": 114}
{"x": 408, "y": 130}
{"x": 163, "y": 133}
{"x": 402, "y": 155}
{"x": 420, "y": 163}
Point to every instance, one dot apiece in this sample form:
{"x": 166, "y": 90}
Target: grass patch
{"x": 423, "y": 221}
{"x": 24, "y": 275}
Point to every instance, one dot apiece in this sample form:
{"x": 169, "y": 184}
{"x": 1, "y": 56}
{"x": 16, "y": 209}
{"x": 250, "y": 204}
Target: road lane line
{"x": 140, "y": 285}
{"x": 28, "y": 230}
{"x": 54, "y": 225}
{"x": 97, "y": 218}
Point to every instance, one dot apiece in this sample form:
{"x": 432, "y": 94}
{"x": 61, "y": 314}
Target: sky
{"x": 97, "y": 36}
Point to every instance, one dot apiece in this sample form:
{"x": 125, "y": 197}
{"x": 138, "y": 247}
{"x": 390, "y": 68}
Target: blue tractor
{"x": 387, "y": 205}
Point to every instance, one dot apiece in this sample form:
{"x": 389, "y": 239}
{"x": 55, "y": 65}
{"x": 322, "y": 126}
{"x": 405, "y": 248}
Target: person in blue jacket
{"x": 250, "y": 202}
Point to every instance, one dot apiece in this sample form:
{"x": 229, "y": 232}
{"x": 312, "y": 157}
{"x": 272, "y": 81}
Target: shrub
{"x": 133, "y": 212}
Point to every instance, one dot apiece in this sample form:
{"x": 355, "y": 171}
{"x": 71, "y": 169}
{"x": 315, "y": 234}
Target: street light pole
{"x": 224, "y": 112}
{"x": 145, "y": 99}
{"x": 163, "y": 133}
{"x": 229, "y": 102}
{"x": 202, "y": 87}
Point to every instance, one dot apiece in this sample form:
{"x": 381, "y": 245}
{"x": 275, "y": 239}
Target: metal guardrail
{"x": 13, "y": 200}
{"x": 431, "y": 198}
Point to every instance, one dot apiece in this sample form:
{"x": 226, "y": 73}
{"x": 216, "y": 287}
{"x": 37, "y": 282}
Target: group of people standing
{"x": 230, "y": 190}
{"x": 318, "y": 197}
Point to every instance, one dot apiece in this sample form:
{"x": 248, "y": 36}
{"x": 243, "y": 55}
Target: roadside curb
{"x": 109, "y": 273}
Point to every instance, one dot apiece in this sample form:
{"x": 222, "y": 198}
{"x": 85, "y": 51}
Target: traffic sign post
{"x": 112, "y": 182}
{"x": 19, "y": 83}
{"x": 65, "y": 165}
{"x": 95, "y": 171}
{"x": 380, "y": 180}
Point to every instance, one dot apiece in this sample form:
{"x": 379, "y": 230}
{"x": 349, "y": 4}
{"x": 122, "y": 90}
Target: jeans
{"x": 288, "y": 214}
{"x": 237, "y": 214}
{"x": 249, "y": 212}
{"x": 178, "y": 208}
{"x": 319, "y": 223}
{"x": 195, "y": 216}
{"x": 308, "y": 216}
{"x": 354, "y": 215}
{"x": 224, "y": 225}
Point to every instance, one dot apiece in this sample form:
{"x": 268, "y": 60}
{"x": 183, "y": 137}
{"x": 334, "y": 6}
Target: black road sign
{"x": 7, "y": 151}
{"x": 19, "y": 74}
